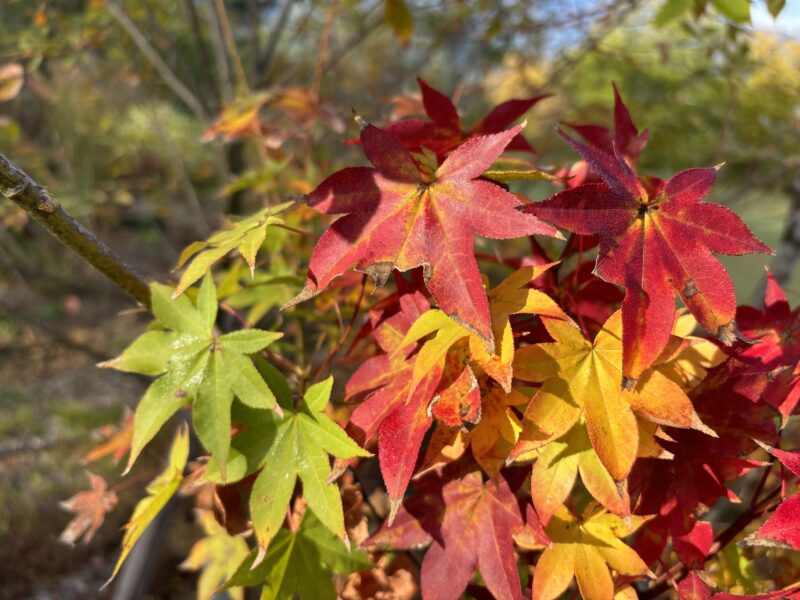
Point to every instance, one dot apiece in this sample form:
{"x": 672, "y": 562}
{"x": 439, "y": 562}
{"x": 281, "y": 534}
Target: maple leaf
{"x": 493, "y": 438}
{"x": 299, "y": 563}
{"x": 296, "y": 446}
{"x": 246, "y": 236}
{"x": 655, "y": 244}
{"x": 782, "y": 528}
{"x": 90, "y": 508}
{"x": 402, "y": 215}
{"x": 159, "y": 491}
{"x": 117, "y": 440}
{"x": 773, "y": 346}
{"x": 395, "y": 410}
{"x": 512, "y": 296}
{"x": 194, "y": 364}
{"x": 580, "y": 378}
{"x": 468, "y": 524}
{"x": 625, "y": 138}
{"x": 694, "y": 587}
{"x": 585, "y": 549}
{"x": 218, "y": 555}
{"x": 556, "y": 468}
{"x": 444, "y": 131}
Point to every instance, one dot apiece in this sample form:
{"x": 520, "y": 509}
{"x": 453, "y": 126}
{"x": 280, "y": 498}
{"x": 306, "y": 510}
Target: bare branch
{"x": 18, "y": 187}
{"x": 155, "y": 59}
{"x": 230, "y": 45}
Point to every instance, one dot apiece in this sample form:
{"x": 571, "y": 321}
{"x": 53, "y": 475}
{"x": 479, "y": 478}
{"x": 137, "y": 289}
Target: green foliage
{"x": 246, "y": 236}
{"x": 292, "y": 563}
{"x": 194, "y": 364}
{"x": 218, "y": 555}
{"x": 297, "y": 446}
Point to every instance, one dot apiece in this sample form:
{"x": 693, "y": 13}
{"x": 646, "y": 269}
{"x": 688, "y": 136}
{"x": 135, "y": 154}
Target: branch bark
{"x": 17, "y": 186}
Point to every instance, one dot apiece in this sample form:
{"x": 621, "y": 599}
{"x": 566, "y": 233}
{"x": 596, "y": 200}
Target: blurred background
{"x": 153, "y": 121}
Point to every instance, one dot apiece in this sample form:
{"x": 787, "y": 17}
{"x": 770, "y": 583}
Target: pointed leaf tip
{"x": 394, "y": 504}
{"x": 360, "y": 121}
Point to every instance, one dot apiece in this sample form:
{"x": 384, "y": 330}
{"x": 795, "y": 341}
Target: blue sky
{"x": 788, "y": 23}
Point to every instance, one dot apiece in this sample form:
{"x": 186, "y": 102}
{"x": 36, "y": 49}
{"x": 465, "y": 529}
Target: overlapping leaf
{"x": 585, "y": 549}
{"x": 510, "y": 297}
{"x": 444, "y": 131}
{"x": 395, "y": 410}
{"x": 469, "y": 525}
{"x": 581, "y": 378}
{"x": 625, "y": 138}
{"x": 297, "y": 446}
{"x": 403, "y": 214}
{"x": 773, "y": 346}
{"x": 245, "y": 236}
{"x": 159, "y": 491}
{"x": 218, "y": 555}
{"x": 656, "y": 244}
{"x": 194, "y": 364}
{"x": 299, "y": 563}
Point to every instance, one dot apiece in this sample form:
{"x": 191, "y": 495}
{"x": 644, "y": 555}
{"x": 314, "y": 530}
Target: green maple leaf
{"x": 218, "y": 555}
{"x": 194, "y": 364}
{"x": 246, "y": 236}
{"x": 300, "y": 563}
{"x": 298, "y": 445}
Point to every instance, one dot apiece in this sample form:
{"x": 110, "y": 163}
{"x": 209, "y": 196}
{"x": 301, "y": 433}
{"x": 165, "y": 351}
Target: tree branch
{"x": 17, "y": 186}
{"x": 172, "y": 81}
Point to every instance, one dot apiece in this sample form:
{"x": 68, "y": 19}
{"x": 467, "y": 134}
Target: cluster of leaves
{"x": 566, "y": 426}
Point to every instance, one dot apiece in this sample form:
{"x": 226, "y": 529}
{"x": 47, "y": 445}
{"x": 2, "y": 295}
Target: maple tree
{"x": 538, "y": 422}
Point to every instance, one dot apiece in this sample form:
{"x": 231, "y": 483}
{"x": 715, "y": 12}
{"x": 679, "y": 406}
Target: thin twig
{"x": 265, "y": 64}
{"x": 217, "y": 43}
{"x": 172, "y": 81}
{"x": 322, "y": 49}
{"x": 18, "y": 187}
{"x": 230, "y": 45}
{"x": 197, "y": 32}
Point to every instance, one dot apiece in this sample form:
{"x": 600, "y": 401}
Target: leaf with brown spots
{"x": 656, "y": 243}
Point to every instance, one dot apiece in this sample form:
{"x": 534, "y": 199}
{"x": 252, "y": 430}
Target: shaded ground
{"x": 52, "y": 396}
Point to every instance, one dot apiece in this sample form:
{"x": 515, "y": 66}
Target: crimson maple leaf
{"x": 655, "y": 244}
{"x": 782, "y": 528}
{"x": 394, "y": 411}
{"x": 694, "y": 587}
{"x": 469, "y": 524}
{"x": 444, "y": 131}
{"x": 625, "y": 138}
{"x": 773, "y": 346}
{"x": 403, "y": 214}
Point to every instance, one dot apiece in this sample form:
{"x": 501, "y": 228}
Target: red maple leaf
{"x": 393, "y": 411}
{"x": 782, "y": 528}
{"x": 693, "y": 587}
{"x": 402, "y": 214}
{"x": 655, "y": 243}
{"x": 468, "y": 524}
{"x": 625, "y": 138}
{"x": 444, "y": 131}
{"x": 773, "y": 346}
